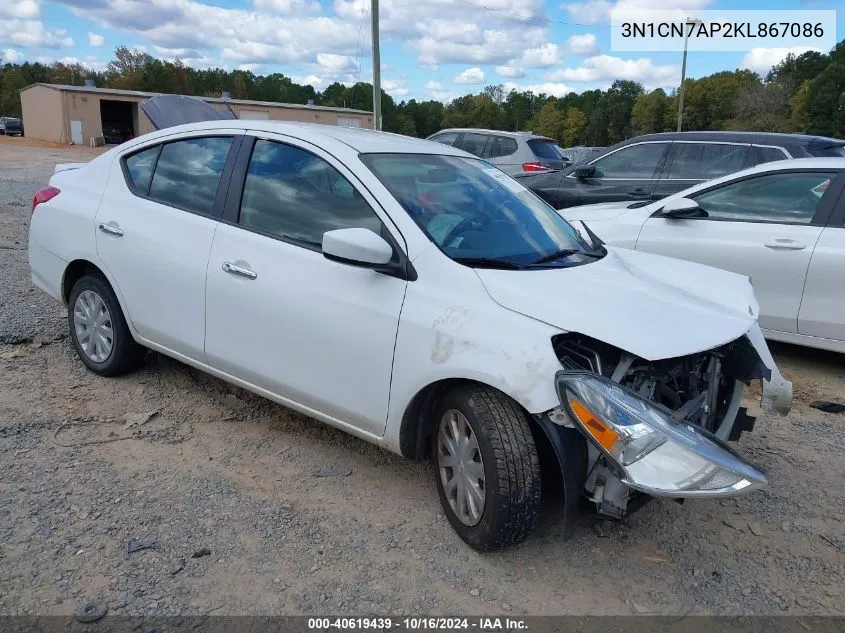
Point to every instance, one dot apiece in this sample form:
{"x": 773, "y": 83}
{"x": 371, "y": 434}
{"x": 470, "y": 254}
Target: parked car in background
{"x": 116, "y": 134}
{"x": 512, "y": 152}
{"x": 651, "y": 167}
{"x": 11, "y": 126}
{"x": 419, "y": 298}
{"x": 580, "y": 153}
{"x": 782, "y": 224}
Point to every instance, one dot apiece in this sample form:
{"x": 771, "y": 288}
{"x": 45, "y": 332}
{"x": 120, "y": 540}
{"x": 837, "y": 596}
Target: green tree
{"x": 825, "y": 103}
{"x": 649, "y": 112}
{"x": 798, "y": 119}
{"x": 573, "y": 127}
{"x": 550, "y": 121}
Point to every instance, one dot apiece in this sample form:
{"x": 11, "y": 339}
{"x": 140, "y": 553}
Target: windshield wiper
{"x": 488, "y": 262}
{"x": 561, "y": 254}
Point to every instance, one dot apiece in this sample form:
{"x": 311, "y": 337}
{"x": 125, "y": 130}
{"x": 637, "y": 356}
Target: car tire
{"x": 98, "y": 329}
{"x": 500, "y": 508}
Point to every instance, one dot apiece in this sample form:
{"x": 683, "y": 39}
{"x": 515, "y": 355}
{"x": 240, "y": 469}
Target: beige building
{"x": 77, "y": 114}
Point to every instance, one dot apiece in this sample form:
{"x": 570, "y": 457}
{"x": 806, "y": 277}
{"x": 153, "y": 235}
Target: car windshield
{"x": 477, "y": 214}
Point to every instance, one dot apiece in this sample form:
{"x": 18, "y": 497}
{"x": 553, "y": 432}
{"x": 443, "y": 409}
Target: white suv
{"x": 416, "y": 297}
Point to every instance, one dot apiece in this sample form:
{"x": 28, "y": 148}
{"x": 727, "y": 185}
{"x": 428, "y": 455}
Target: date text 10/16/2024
{"x": 417, "y": 624}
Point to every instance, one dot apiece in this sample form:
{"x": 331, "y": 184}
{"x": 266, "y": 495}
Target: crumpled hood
{"x": 598, "y": 211}
{"x": 651, "y": 306}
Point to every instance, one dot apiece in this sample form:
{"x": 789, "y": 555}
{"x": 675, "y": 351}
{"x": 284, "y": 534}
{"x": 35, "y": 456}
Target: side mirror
{"x": 683, "y": 209}
{"x": 356, "y": 247}
{"x": 585, "y": 171}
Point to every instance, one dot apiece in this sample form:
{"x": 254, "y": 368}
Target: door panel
{"x": 823, "y": 305}
{"x": 158, "y": 254}
{"x": 285, "y": 318}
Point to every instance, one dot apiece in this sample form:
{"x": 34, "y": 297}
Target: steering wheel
{"x": 477, "y": 221}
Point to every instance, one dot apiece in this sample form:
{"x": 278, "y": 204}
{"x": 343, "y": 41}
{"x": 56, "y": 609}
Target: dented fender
{"x": 777, "y": 390}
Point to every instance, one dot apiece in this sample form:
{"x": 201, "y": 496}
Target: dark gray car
{"x": 651, "y": 167}
{"x": 512, "y": 152}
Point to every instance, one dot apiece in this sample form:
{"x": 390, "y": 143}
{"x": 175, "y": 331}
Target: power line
{"x": 360, "y": 43}
{"x": 534, "y": 18}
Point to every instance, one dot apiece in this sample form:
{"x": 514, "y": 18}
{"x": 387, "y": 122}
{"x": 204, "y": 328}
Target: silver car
{"x": 513, "y": 152}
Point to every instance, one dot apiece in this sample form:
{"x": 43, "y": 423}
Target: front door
{"x": 154, "y": 231}
{"x": 763, "y": 226}
{"x": 283, "y": 317}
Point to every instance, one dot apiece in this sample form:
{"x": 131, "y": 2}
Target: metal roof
{"x": 145, "y": 95}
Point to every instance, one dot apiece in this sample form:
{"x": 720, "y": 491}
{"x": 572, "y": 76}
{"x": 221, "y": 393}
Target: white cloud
{"x": 11, "y": 56}
{"x": 433, "y": 85}
{"x": 95, "y": 39}
{"x": 395, "y": 87}
{"x": 761, "y": 60}
{"x": 335, "y": 62}
{"x": 607, "y": 68}
{"x": 554, "y": 89}
{"x": 22, "y": 9}
{"x": 287, "y": 6}
{"x": 511, "y": 72}
{"x": 32, "y": 33}
{"x": 583, "y": 45}
{"x": 542, "y": 57}
{"x": 470, "y": 76}
{"x": 252, "y": 68}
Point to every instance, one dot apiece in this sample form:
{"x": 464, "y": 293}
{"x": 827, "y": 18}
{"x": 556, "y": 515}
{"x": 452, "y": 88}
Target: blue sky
{"x": 430, "y": 48}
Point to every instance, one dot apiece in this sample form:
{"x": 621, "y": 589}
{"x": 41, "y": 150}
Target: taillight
{"x": 43, "y": 195}
{"x": 534, "y": 167}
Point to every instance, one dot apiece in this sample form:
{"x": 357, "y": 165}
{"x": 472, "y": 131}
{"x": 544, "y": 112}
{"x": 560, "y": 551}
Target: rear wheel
{"x": 486, "y": 467}
{"x": 98, "y": 329}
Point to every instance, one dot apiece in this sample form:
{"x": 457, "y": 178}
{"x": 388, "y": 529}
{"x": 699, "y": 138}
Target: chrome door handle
{"x": 111, "y": 230}
{"x": 239, "y": 270}
{"x": 785, "y": 245}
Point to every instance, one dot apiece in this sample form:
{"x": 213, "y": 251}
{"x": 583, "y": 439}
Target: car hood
{"x": 648, "y": 305}
{"x": 600, "y": 211}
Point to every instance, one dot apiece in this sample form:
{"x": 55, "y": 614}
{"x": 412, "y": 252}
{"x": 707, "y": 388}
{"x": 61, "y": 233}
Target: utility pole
{"x": 376, "y": 70}
{"x": 684, "y": 72}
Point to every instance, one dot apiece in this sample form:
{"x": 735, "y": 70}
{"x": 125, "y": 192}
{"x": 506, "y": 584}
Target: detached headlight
{"x": 656, "y": 454}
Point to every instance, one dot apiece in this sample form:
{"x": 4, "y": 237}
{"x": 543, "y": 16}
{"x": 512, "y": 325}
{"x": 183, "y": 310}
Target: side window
{"x": 293, "y": 194}
{"x": 140, "y": 168}
{"x": 786, "y": 198}
{"x": 447, "y": 138}
{"x": 769, "y": 154}
{"x": 634, "y": 161}
{"x": 703, "y": 161}
{"x": 188, "y": 172}
{"x": 500, "y": 146}
{"x": 473, "y": 143}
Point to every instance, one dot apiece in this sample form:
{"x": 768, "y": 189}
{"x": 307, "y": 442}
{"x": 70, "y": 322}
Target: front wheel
{"x": 486, "y": 467}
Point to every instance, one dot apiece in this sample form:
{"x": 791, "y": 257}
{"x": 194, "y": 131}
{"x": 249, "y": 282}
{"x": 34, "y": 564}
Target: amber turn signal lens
{"x": 602, "y": 433}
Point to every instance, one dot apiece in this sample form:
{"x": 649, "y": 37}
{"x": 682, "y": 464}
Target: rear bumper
{"x": 47, "y": 270}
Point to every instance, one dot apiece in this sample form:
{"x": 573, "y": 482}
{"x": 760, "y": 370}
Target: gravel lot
{"x": 219, "y": 482}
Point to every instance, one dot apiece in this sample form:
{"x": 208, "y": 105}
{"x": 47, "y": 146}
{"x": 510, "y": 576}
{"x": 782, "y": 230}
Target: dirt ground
{"x": 216, "y": 489}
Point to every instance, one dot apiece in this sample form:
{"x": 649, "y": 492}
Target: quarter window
{"x": 790, "y": 198}
{"x": 188, "y": 172}
{"x": 703, "y": 161}
{"x": 447, "y": 138}
{"x": 140, "y": 168}
{"x": 295, "y": 195}
{"x": 769, "y": 154}
{"x": 500, "y": 146}
{"x": 635, "y": 161}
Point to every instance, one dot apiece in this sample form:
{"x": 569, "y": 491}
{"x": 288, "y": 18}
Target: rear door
{"x": 155, "y": 227}
{"x": 629, "y": 173}
{"x": 502, "y": 152}
{"x": 764, "y": 226}
{"x": 473, "y": 142}
{"x": 692, "y": 162}
{"x": 823, "y": 305}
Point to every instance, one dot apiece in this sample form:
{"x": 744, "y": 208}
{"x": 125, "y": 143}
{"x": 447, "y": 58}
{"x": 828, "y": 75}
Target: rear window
{"x": 834, "y": 150}
{"x": 703, "y": 161}
{"x": 544, "y": 149}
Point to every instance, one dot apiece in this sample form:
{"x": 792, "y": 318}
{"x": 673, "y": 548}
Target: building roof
{"x": 145, "y": 95}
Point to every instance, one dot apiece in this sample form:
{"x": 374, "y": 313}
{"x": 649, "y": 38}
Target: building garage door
{"x": 261, "y": 115}
{"x": 348, "y": 121}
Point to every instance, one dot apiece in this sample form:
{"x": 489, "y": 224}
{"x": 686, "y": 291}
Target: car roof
{"x": 360, "y": 139}
{"x": 760, "y": 138}
{"x": 525, "y": 135}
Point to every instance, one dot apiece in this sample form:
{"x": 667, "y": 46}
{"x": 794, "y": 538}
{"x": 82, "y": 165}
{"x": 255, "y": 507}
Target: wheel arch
{"x": 80, "y": 267}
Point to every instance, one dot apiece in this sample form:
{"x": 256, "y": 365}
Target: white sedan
{"x": 415, "y": 296}
{"x": 782, "y": 224}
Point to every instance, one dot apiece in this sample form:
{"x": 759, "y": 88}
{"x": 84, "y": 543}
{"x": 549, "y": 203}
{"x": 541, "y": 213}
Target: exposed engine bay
{"x": 703, "y": 390}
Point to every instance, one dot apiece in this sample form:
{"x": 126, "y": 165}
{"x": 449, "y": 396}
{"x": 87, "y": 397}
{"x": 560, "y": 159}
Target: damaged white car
{"x": 417, "y": 297}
